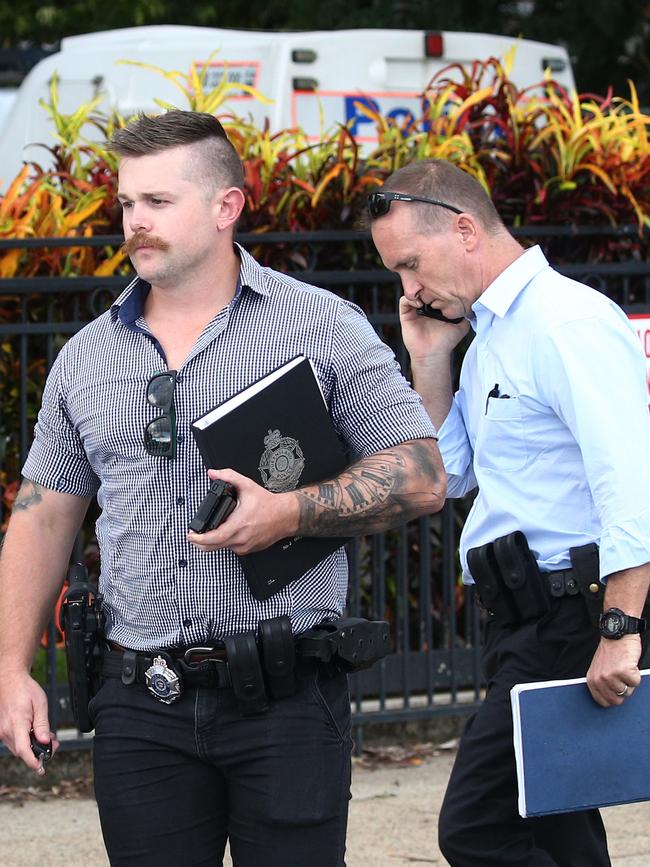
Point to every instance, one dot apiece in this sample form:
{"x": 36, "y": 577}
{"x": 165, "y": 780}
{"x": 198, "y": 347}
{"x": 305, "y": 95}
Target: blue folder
{"x": 573, "y": 754}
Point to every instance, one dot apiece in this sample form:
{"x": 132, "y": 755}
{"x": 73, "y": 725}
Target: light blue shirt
{"x": 563, "y": 452}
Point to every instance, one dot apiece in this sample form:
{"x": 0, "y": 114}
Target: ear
{"x": 468, "y": 229}
{"x": 228, "y": 208}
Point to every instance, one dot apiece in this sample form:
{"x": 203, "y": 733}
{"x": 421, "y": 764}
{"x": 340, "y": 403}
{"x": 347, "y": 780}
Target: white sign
{"x": 641, "y": 322}
{"x": 235, "y": 71}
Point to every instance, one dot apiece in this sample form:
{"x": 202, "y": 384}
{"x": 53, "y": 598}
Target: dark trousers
{"x": 479, "y": 822}
{"x": 174, "y": 782}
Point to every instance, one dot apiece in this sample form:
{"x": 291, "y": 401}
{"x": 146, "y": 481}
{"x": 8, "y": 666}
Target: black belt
{"x": 561, "y": 582}
{"x": 202, "y": 667}
{"x": 252, "y": 663}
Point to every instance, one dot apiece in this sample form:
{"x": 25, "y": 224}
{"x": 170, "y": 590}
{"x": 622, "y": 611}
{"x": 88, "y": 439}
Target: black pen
{"x": 494, "y": 392}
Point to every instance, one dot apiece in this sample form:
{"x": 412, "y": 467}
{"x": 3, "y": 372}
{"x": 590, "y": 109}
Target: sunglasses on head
{"x": 379, "y": 202}
{"x": 160, "y": 434}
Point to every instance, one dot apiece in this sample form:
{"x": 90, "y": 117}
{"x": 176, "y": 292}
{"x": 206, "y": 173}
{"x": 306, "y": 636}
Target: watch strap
{"x": 635, "y": 624}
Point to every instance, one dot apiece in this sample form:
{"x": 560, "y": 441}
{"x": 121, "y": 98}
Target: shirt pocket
{"x": 501, "y": 440}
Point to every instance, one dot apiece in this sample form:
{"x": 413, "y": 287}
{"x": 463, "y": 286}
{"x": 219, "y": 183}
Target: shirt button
{"x": 180, "y": 438}
{"x": 182, "y": 563}
{"x": 187, "y": 623}
{"x": 180, "y": 501}
{"x": 179, "y": 378}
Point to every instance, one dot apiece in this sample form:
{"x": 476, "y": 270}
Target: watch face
{"x": 612, "y": 623}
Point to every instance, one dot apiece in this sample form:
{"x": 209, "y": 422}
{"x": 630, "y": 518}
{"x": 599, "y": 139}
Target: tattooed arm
{"x": 377, "y": 492}
{"x": 33, "y": 562}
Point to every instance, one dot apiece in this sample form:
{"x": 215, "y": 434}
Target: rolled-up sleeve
{"x": 57, "y": 459}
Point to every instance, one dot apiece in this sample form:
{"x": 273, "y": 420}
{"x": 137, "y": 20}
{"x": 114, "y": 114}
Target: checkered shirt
{"x": 159, "y": 590}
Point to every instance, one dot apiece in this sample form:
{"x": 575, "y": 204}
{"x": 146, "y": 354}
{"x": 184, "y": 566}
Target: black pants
{"x": 479, "y": 822}
{"x": 174, "y": 782}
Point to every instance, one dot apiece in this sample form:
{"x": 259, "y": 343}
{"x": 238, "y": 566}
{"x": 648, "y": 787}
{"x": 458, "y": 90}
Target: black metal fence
{"x": 408, "y": 576}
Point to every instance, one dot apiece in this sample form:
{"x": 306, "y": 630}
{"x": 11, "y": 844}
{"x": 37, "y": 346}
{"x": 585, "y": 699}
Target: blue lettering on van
{"x": 402, "y": 116}
{"x": 354, "y": 115}
{"x": 426, "y": 117}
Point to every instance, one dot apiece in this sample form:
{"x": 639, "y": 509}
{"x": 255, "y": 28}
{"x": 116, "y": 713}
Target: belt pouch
{"x": 586, "y": 570}
{"x": 278, "y": 655}
{"x": 360, "y": 643}
{"x": 521, "y": 575}
{"x": 246, "y": 673}
{"x": 347, "y": 644}
{"x": 493, "y": 593}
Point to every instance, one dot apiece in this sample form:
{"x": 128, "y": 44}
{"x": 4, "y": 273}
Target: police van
{"x": 312, "y": 79}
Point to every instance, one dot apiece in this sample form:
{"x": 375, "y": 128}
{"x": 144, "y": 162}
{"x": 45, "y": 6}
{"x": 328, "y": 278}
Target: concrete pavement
{"x": 393, "y": 818}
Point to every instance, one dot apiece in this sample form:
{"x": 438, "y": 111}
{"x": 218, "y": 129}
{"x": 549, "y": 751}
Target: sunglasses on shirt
{"x": 379, "y": 202}
{"x": 160, "y": 434}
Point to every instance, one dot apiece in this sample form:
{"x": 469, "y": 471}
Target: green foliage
{"x": 39, "y": 668}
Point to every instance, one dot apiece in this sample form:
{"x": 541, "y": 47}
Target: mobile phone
{"x": 215, "y": 507}
{"x": 433, "y": 313}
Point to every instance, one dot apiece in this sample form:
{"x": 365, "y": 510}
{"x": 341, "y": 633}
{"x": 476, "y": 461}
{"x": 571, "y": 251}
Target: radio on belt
{"x": 217, "y": 504}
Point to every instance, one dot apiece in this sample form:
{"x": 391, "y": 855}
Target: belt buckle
{"x": 162, "y": 681}
{"x": 197, "y": 651}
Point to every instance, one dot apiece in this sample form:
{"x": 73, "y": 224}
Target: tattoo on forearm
{"x": 373, "y": 494}
{"x": 29, "y": 494}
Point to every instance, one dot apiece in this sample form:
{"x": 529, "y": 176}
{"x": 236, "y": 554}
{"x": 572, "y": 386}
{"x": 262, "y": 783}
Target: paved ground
{"x": 392, "y": 821}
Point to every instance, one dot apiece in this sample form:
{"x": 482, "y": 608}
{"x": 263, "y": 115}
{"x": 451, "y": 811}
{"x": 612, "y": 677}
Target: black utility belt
{"x": 513, "y": 590}
{"x": 255, "y": 665}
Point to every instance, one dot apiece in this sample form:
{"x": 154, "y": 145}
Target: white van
{"x": 314, "y": 79}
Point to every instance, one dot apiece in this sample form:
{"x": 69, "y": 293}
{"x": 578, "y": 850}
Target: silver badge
{"x": 281, "y": 463}
{"x": 163, "y": 683}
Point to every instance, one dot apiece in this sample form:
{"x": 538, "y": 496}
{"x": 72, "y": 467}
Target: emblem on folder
{"x": 282, "y": 462}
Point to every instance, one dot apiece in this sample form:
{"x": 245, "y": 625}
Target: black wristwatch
{"x": 613, "y": 623}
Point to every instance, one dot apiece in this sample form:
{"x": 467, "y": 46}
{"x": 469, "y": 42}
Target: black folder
{"x": 277, "y": 432}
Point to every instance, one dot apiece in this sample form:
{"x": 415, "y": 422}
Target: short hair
{"x": 215, "y": 160}
{"x": 442, "y": 180}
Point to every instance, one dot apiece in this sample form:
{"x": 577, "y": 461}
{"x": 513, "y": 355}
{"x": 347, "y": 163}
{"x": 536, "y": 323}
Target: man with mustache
{"x": 175, "y": 780}
{"x": 550, "y": 424}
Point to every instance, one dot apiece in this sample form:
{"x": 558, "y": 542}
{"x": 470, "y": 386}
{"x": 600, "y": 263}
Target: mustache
{"x": 142, "y": 239}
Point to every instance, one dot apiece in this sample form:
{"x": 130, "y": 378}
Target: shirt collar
{"x": 502, "y": 292}
{"x": 129, "y": 306}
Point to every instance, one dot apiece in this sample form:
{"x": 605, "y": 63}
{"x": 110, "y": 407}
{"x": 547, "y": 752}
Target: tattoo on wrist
{"x": 29, "y": 494}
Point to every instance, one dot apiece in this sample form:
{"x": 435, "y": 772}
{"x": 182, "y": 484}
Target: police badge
{"x": 282, "y": 462}
{"x": 163, "y": 682}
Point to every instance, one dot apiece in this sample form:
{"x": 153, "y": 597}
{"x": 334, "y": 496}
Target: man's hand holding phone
{"x": 426, "y": 332}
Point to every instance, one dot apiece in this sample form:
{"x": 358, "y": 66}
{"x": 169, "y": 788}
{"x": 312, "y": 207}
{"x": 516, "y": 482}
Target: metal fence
{"x": 408, "y": 576}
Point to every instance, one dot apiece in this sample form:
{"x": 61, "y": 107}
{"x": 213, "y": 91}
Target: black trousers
{"x": 174, "y": 782}
{"x": 479, "y": 822}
